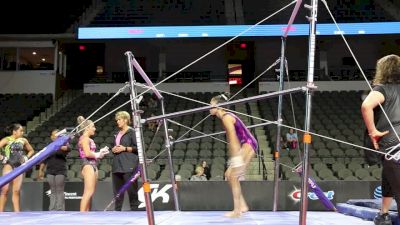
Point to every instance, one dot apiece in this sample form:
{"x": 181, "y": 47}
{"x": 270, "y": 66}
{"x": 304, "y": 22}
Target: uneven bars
{"x": 243, "y": 100}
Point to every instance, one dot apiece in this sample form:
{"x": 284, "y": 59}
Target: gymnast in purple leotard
{"x": 242, "y": 147}
{"x": 243, "y": 133}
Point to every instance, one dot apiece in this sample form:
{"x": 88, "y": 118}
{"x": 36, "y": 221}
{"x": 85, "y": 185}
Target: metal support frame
{"x": 171, "y": 166}
{"x": 133, "y": 63}
{"x": 278, "y": 128}
{"x": 140, "y": 146}
{"x": 280, "y": 103}
{"x": 307, "y": 120}
{"x": 310, "y": 86}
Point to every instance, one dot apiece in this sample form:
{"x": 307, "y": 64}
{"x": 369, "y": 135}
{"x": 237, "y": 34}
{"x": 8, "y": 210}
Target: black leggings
{"x": 118, "y": 180}
{"x": 391, "y": 181}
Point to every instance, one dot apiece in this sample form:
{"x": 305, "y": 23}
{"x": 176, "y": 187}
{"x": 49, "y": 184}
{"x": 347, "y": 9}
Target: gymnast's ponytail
{"x": 224, "y": 97}
{"x": 9, "y": 129}
{"x": 83, "y": 123}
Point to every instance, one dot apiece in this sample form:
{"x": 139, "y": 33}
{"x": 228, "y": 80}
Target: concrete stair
{"x": 60, "y": 103}
{"x": 255, "y": 170}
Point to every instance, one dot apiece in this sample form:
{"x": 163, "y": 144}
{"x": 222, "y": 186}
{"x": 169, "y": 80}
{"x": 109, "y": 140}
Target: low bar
{"x": 221, "y": 132}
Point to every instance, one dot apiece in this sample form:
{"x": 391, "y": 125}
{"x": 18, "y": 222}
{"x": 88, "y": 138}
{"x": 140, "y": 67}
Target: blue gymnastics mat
{"x": 176, "y": 218}
{"x": 366, "y": 209}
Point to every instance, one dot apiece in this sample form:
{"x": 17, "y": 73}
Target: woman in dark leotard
{"x": 13, "y": 155}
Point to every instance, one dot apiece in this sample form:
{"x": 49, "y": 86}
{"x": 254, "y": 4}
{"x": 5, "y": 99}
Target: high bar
{"x": 243, "y": 100}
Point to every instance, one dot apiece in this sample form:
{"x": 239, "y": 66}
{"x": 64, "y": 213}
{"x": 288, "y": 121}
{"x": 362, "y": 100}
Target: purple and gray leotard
{"x": 88, "y": 161}
{"x": 243, "y": 133}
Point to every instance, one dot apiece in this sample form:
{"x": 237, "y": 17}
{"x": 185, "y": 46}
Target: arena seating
{"x": 154, "y": 12}
{"x": 342, "y": 10}
{"x": 335, "y": 114}
{"x": 45, "y": 17}
{"x": 188, "y": 12}
{"x": 20, "y": 108}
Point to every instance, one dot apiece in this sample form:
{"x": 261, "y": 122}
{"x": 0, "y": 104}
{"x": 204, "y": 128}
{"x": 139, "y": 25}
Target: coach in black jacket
{"x": 125, "y": 161}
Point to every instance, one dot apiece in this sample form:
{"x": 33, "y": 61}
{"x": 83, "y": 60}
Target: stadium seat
{"x": 344, "y": 173}
{"x": 354, "y": 166}
{"x": 362, "y": 173}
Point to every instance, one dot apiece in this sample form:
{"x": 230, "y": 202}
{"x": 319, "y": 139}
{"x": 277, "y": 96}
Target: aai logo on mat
{"x": 295, "y": 195}
{"x": 378, "y": 192}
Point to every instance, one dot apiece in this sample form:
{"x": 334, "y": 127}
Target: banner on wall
{"x": 208, "y": 195}
{"x": 216, "y": 195}
{"x": 161, "y": 195}
{"x": 73, "y": 192}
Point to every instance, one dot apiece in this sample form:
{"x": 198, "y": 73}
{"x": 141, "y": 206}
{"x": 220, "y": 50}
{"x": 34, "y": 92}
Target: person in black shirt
{"x": 386, "y": 92}
{"x": 56, "y": 171}
{"x": 125, "y": 161}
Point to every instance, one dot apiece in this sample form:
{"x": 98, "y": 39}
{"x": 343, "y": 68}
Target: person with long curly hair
{"x": 386, "y": 92}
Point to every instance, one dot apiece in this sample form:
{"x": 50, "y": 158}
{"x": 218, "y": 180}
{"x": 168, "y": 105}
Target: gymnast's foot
{"x": 233, "y": 214}
{"x": 244, "y": 209}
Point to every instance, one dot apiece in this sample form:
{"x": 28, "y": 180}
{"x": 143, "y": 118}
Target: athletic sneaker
{"x": 382, "y": 219}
